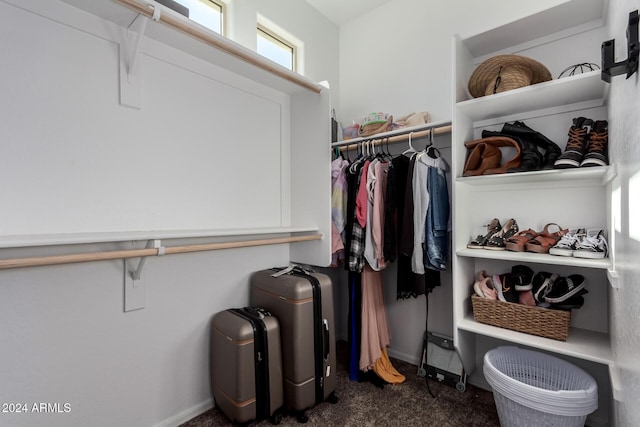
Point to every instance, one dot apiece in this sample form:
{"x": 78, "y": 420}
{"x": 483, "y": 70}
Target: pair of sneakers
{"x": 503, "y": 287}
{"x": 582, "y": 243}
{"x": 587, "y": 145}
{"x": 551, "y": 290}
{"x": 514, "y": 286}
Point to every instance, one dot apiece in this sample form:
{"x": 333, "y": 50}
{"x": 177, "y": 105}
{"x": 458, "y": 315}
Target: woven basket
{"x": 374, "y": 128}
{"x": 542, "y": 322}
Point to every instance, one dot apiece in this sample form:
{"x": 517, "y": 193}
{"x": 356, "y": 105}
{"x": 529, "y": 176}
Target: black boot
{"x": 519, "y": 129}
{"x": 531, "y": 157}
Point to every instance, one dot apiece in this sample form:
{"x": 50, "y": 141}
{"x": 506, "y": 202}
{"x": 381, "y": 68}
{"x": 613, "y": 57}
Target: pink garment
{"x": 374, "y": 330}
{"x": 362, "y": 196}
{"x": 377, "y": 219}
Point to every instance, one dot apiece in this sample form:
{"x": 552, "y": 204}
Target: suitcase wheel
{"x": 276, "y": 418}
{"x": 302, "y": 417}
{"x": 333, "y": 399}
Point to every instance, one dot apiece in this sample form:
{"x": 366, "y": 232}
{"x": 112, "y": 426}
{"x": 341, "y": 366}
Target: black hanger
{"x": 432, "y": 151}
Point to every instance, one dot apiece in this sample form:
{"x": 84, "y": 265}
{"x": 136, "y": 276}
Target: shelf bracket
{"x": 134, "y": 286}
{"x": 156, "y": 244}
{"x": 130, "y": 90}
{"x": 611, "y": 68}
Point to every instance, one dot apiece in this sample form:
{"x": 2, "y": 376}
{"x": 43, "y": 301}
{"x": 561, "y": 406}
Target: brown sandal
{"x": 518, "y": 242}
{"x": 545, "y": 240}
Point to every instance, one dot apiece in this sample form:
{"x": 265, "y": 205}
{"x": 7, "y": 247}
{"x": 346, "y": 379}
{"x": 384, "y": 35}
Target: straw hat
{"x": 505, "y": 72}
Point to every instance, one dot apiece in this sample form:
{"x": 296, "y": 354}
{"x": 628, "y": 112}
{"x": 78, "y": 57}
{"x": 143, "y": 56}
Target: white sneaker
{"x": 593, "y": 245}
{"x": 568, "y": 243}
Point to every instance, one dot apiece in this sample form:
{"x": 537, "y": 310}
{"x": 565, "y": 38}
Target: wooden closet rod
{"x": 379, "y": 139}
{"x": 6, "y": 264}
{"x": 183, "y": 24}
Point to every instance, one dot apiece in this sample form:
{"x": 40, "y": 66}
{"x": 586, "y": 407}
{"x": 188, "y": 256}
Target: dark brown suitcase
{"x": 246, "y": 365}
{"x": 303, "y": 303}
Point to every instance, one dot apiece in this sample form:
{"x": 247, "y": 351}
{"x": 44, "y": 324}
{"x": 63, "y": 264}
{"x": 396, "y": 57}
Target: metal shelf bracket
{"x": 629, "y": 66}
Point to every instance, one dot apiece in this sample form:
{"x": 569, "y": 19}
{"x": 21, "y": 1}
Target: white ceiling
{"x": 343, "y": 11}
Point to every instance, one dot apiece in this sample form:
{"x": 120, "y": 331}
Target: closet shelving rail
{"x": 159, "y": 250}
{"x": 398, "y": 135}
{"x": 157, "y": 12}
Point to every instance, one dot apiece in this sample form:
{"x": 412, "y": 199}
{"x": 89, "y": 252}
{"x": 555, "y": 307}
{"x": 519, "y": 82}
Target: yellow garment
{"x": 385, "y": 370}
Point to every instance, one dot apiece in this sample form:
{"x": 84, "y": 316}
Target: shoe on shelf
{"x": 480, "y": 242}
{"x": 518, "y": 242}
{"x": 598, "y": 149}
{"x": 567, "y": 243}
{"x": 551, "y": 149}
{"x": 497, "y": 241}
{"x": 593, "y": 245}
{"x": 541, "y": 285}
{"x": 546, "y": 239}
{"x": 505, "y": 287}
{"x": 483, "y": 286}
{"x": 526, "y": 298}
{"x": 575, "y": 302}
{"x": 564, "y": 288}
{"x": 522, "y": 277}
{"x": 576, "y": 147}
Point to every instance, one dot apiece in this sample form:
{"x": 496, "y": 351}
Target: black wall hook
{"x": 611, "y": 68}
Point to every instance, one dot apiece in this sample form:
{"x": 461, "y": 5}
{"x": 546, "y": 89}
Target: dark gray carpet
{"x": 407, "y": 404}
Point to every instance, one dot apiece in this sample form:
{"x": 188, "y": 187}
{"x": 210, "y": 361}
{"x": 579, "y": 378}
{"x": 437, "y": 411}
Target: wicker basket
{"x": 376, "y": 127}
{"x": 542, "y": 322}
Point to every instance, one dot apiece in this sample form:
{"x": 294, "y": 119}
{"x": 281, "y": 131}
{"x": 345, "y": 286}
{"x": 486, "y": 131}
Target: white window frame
{"x": 281, "y": 37}
{"x": 223, "y": 14}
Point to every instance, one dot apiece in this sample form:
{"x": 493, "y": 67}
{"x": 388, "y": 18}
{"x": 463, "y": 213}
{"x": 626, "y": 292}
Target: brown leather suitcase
{"x": 246, "y": 365}
{"x": 303, "y": 303}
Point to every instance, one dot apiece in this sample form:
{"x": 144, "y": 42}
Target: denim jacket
{"x": 435, "y": 238}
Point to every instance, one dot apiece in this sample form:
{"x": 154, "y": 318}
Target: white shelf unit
{"x": 570, "y": 198}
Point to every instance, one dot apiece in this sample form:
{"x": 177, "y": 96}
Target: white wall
{"x": 624, "y": 152}
{"x": 65, "y": 338}
{"x": 398, "y": 59}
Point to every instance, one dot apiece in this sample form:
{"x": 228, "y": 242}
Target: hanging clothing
{"x": 339, "y": 193}
{"x": 388, "y": 215}
{"x": 408, "y": 283}
{"x": 394, "y": 205}
{"x": 355, "y": 315}
{"x": 357, "y": 239}
{"x": 420, "y": 206}
{"x": 337, "y": 247}
{"x": 385, "y": 370}
{"x": 362, "y": 196}
{"x": 376, "y": 186}
{"x": 375, "y": 334}
{"x": 378, "y": 219}
{"x": 436, "y": 246}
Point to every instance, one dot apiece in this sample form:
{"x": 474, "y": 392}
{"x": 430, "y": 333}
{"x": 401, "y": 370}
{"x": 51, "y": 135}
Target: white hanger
{"x": 411, "y": 149}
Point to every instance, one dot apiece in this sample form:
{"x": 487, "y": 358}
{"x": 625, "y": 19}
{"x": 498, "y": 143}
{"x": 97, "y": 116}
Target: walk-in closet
{"x": 152, "y": 165}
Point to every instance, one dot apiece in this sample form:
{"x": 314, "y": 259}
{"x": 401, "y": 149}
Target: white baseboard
{"x": 186, "y": 415}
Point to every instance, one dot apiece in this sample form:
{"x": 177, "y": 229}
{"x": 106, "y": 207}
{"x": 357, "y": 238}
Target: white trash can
{"x": 535, "y": 389}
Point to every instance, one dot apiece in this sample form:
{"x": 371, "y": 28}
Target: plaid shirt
{"x": 356, "y": 247}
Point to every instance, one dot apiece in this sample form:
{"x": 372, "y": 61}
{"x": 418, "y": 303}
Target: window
{"x": 276, "y": 48}
{"x": 208, "y": 13}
